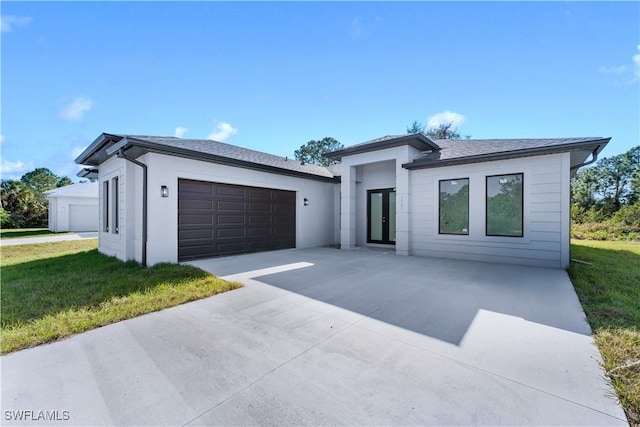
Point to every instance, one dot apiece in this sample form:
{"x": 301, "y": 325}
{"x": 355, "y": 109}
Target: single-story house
{"x": 73, "y": 207}
{"x": 165, "y": 199}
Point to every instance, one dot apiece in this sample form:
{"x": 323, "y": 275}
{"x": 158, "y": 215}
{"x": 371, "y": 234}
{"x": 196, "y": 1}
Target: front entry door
{"x": 381, "y": 216}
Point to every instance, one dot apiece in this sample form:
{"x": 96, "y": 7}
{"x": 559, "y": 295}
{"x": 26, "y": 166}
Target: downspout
{"x": 594, "y": 157}
{"x": 144, "y": 202}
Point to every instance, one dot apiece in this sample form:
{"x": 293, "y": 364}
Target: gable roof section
{"x": 462, "y": 151}
{"x": 418, "y": 141}
{"x": 107, "y": 145}
{"x": 82, "y": 190}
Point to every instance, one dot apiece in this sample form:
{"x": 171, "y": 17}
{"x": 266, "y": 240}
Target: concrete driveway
{"x": 329, "y": 337}
{"x": 47, "y": 239}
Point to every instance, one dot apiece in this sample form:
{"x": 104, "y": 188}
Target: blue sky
{"x": 273, "y": 75}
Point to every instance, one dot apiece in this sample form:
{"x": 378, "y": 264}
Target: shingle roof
{"x": 89, "y": 189}
{"x": 234, "y": 152}
{"x": 441, "y": 152}
{"x": 471, "y": 150}
{"x": 418, "y": 141}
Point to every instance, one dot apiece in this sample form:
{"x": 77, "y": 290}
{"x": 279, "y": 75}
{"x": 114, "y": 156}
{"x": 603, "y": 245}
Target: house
{"x": 73, "y": 207}
{"x": 165, "y": 199}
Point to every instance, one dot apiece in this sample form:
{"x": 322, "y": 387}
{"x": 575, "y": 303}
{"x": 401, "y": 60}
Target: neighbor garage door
{"x": 223, "y": 219}
{"x": 83, "y": 217}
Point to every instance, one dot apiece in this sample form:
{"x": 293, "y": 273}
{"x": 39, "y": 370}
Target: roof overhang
{"x": 89, "y": 173}
{"x": 419, "y": 141}
{"x": 580, "y": 151}
{"x": 108, "y": 145}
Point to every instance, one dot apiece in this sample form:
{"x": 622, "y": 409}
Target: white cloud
{"x": 2, "y": 139}
{"x": 357, "y": 28}
{"x": 223, "y": 132}
{"x": 446, "y": 117}
{"x": 14, "y": 170}
{"x": 636, "y": 65}
{"x": 613, "y": 70}
{"x": 9, "y": 22}
{"x": 180, "y": 131}
{"x": 74, "y": 111}
{"x": 624, "y": 68}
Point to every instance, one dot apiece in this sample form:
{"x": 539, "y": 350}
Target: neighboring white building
{"x": 165, "y": 199}
{"x": 73, "y": 208}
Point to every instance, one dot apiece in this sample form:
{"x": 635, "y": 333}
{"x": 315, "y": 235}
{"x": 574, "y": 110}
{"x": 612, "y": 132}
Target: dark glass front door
{"x": 381, "y": 216}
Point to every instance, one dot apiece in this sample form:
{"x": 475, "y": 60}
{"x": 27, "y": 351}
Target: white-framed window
{"x": 505, "y": 205}
{"x": 454, "y": 206}
{"x": 115, "y": 205}
{"x": 105, "y": 206}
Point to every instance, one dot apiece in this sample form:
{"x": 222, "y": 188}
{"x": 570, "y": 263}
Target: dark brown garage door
{"x": 222, "y": 219}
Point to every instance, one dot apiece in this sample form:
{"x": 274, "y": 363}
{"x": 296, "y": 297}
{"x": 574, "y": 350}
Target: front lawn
{"x": 53, "y": 290}
{"x": 18, "y": 233}
{"x": 607, "y": 281}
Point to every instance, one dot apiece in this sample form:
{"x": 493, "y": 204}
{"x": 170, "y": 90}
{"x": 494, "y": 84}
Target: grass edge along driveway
{"x": 51, "y": 291}
{"x": 606, "y": 277}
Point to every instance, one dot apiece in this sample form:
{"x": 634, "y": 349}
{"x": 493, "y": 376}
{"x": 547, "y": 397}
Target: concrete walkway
{"x": 47, "y": 239}
{"x": 329, "y": 337}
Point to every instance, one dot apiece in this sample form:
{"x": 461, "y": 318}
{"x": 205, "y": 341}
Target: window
{"x": 115, "y": 214}
{"x": 105, "y": 206}
{"x": 505, "y": 205}
{"x": 454, "y": 206}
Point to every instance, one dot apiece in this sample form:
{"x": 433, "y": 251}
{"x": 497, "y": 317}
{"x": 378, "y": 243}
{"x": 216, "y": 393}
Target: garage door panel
{"x": 259, "y": 232}
{"x": 259, "y": 207}
{"x": 229, "y": 219}
{"x": 83, "y": 217}
{"x": 195, "y": 219}
{"x": 259, "y": 220}
{"x": 258, "y": 193}
{"x": 231, "y": 233}
{"x": 196, "y": 187}
{"x": 229, "y": 190}
{"x": 200, "y": 233}
{"x": 194, "y": 251}
{"x": 230, "y": 248}
{"x": 227, "y": 206}
{"x": 196, "y": 204}
{"x": 238, "y": 219}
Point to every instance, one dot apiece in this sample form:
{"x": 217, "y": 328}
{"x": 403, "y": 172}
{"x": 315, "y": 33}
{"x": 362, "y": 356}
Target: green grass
{"x": 53, "y": 290}
{"x": 609, "y": 291}
{"x": 18, "y": 233}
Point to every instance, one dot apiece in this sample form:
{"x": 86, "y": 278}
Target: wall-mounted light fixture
{"x": 305, "y": 202}
{"x": 164, "y": 191}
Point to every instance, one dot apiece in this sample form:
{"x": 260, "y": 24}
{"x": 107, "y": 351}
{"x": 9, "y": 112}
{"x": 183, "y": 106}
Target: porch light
{"x": 305, "y": 202}
{"x": 164, "y": 191}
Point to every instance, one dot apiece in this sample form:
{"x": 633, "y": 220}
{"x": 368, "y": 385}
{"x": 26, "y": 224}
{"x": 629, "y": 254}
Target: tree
{"x": 40, "y": 179}
{"x": 63, "y": 181}
{"x": 313, "y": 151}
{"x": 23, "y": 201}
{"x": 442, "y": 131}
{"x": 415, "y": 127}
{"x": 23, "y": 205}
{"x": 598, "y": 192}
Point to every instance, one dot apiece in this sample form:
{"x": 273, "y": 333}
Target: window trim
{"x": 105, "y": 206}
{"x": 115, "y": 205}
{"x": 440, "y": 232}
{"x": 486, "y": 206}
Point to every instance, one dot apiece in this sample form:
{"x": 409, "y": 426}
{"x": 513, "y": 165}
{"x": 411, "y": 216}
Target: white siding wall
{"x": 546, "y": 217}
{"x": 110, "y": 243}
{"x": 315, "y": 223}
{"x": 59, "y": 208}
{"x": 53, "y": 215}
